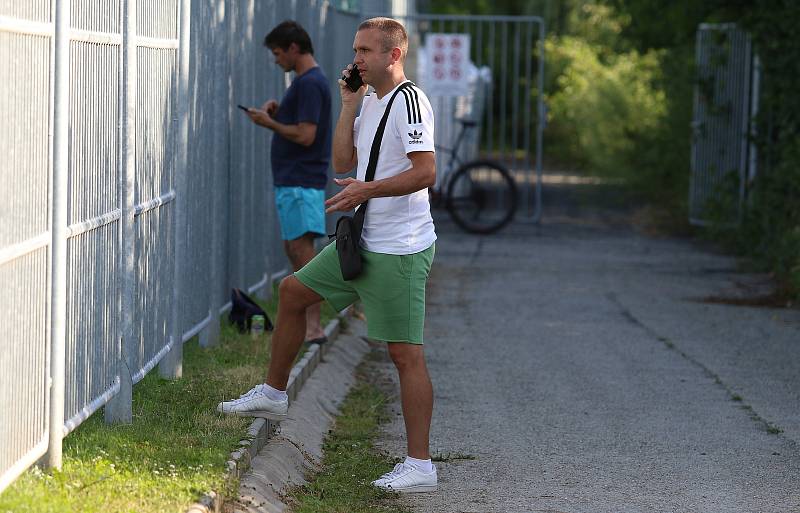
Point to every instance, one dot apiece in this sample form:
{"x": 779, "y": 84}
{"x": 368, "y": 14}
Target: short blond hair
{"x": 394, "y": 33}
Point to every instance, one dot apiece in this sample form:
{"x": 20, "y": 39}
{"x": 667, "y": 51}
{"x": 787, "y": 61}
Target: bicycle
{"x": 480, "y": 195}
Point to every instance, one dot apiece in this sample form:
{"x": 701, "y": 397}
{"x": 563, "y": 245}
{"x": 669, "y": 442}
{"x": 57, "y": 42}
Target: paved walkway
{"x": 575, "y": 364}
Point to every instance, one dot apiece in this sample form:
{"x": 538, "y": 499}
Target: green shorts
{"x": 391, "y": 288}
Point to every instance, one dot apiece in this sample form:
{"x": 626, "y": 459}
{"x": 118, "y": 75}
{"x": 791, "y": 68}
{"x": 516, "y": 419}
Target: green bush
{"x": 621, "y": 109}
{"x": 770, "y": 230}
{"x": 619, "y": 81}
{"x": 602, "y": 107}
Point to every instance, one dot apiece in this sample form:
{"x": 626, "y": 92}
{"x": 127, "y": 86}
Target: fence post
{"x": 541, "y": 120}
{"x": 172, "y": 364}
{"x": 244, "y": 36}
{"x": 58, "y": 230}
{"x": 120, "y": 408}
{"x": 752, "y": 165}
{"x": 210, "y": 335}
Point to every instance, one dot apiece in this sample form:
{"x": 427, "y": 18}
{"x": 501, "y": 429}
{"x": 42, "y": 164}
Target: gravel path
{"x": 576, "y": 370}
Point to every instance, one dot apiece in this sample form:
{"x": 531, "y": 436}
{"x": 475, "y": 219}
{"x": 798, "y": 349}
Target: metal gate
{"x": 505, "y": 77}
{"x": 725, "y": 103}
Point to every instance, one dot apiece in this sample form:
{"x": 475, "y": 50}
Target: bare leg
{"x": 416, "y": 394}
{"x": 300, "y": 252}
{"x": 294, "y": 299}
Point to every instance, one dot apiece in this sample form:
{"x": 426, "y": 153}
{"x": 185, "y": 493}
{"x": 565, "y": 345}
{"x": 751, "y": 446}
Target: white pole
{"x": 210, "y": 335}
{"x": 120, "y": 408}
{"x": 58, "y": 262}
{"x": 542, "y": 119}
{"x": 171, "y": 366}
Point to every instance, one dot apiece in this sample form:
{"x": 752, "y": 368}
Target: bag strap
{"x": 376, "y": 142}
{"x": 375, "y": 153}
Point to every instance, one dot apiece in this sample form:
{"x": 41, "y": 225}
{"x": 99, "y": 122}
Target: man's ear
{"x": 397, "y": 54}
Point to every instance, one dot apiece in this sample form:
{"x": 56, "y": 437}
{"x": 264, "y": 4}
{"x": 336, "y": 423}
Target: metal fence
{"x": 132, "y": 197}
{"x": 507, "y": 53}
{"x": 723, "y": 159}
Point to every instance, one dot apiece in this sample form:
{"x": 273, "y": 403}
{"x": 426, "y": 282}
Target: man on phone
{"x": 397, "y": 244}
{"x": 301, "y": 146}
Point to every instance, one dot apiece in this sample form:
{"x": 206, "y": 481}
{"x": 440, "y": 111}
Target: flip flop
{"x": 320, "y": 340}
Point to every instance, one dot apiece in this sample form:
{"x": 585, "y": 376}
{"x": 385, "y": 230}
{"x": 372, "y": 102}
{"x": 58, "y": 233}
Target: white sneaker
{"x": 407, "y": 478}
{"x": 255, "y": 403}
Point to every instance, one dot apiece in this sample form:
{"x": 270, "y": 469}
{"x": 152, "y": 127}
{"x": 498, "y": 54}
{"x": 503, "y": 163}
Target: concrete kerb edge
{"x": 261, "y": 430}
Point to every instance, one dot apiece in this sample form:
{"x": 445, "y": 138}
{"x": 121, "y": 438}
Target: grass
{"x": 174, "y": 451}
{"x": 773, "y": 430}
{"x": 351, "y": 461}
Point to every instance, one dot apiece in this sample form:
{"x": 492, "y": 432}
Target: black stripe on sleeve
{"x": 416, "y": 105}
{"x": 408, "y": 105}
{"x": 412, "y": 117}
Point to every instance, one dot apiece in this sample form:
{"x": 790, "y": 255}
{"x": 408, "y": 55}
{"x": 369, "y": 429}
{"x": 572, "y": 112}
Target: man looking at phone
{"x": 301, "y": 146}
{"x": 397, "y": 245}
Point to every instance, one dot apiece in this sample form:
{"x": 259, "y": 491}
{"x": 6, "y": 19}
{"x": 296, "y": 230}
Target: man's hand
{"x": 270, "y": 107}
{"x": 350, "y": 98}
{"x": 355, "y": 192}
{"x": 344, "y": 155}
{"x": 261, "y": 117}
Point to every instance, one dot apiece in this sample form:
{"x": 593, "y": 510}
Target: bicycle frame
{"x": 474, "y": 197}
{"x": 454, "y": 160}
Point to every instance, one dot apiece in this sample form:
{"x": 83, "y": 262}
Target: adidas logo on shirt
{"x": 415, "y": 137}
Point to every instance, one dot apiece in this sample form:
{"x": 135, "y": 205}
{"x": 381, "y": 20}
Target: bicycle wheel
{"x": 481, "y": 197}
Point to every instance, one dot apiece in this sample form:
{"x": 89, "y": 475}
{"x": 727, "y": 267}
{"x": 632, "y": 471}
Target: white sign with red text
{"x": 447, "y": 63}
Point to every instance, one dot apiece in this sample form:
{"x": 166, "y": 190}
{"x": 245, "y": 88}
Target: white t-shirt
{"x": 398, "y": 225}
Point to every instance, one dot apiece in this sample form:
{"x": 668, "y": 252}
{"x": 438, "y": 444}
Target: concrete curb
{"x": 293, "y": 455}
{"x": 261, "y": 430}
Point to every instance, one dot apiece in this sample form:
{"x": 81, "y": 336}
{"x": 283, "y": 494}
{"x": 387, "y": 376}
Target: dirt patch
{"x": 773, "y": 300}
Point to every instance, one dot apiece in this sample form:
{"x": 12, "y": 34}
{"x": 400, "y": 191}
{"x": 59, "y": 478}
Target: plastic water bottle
{"x": 257, "y": 326}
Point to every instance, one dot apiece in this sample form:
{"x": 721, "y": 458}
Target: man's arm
{"x": 301, "y": 133}
{"x": 345, "y": 156}
{"x": 421, "y": 176}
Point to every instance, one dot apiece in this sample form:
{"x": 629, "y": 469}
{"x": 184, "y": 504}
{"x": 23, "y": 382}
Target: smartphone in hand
{"x": 354, "y": 81}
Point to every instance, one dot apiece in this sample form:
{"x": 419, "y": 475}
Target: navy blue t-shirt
{"x": 308, "y": 100}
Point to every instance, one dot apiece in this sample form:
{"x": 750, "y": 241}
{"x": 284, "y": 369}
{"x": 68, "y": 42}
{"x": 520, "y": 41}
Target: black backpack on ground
{"x": 242, "y": 311}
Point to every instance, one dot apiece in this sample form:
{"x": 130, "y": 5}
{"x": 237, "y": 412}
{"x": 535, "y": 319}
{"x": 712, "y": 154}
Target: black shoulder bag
{"x": 348, "y": 228}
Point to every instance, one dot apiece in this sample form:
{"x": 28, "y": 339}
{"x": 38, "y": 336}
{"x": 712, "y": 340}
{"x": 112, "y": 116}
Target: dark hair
{"x": 285, "y": 34}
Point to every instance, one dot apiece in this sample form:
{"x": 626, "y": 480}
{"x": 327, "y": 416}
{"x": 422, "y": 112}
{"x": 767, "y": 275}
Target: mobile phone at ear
{"x": 243, "y": 108}
{"x": 354, "y": 81}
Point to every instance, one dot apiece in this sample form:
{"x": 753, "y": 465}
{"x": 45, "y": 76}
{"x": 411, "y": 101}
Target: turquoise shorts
{"x": 301, "y": 210}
